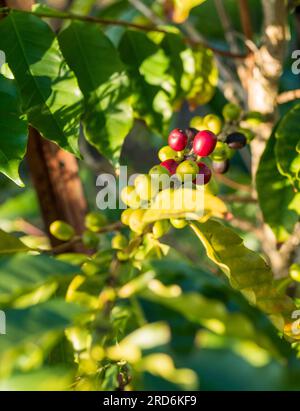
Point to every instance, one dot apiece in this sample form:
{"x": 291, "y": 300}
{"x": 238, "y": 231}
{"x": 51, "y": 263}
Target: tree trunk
{"x": 54, "y": 174}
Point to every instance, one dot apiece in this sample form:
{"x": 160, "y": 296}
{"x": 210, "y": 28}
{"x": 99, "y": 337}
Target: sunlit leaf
{"x": 245, "y": 269}
{"x": 287, "y": 147}
{"x": 57, "y": 378}
{"x": 10, "y": 244}
{"x": 278, "y": 201}
{"x": 23, "y": 273}
{"x": 182, "y": 8}
{"x": 184, "y": 203}
{"x": 103, "y": 80}
{"x": 147, "y": 65}
{"x": 49, "y": 92}
{"x": 13, "y": 131}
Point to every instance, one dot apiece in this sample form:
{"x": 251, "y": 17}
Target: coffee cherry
{"x": 187, "y": 167}
{"x": 204, "y": 174}
{"x": 236, "y": 140}
{"x": 177, "y": 140}
{"x": 160, "y": 228}
{"x": 254, "y": 118}
{"x": 204, "y": 143}
{"x": 295, "y": 272}
{"x": 221, "y": 152}
{"x": 95, "y": 220}
{"x": 121, "y": 256}
{"x": 143, "y": 187}
{"x": 167, "y": 153}
{"x": 158, "y": 170}
{"x": 191, "y": 132}
{"x": 170, "y": 165}
{"x": 90, "y": 239}
{"x": 130, "y": 197}
{"x": 136, "y": 223}
{"x": 231, "y": 112}
{"x": 61, "y": 230}
{"x": 220, "y": 167}
{"x": 178, "y": 222}
{"x": 125, "y": 216}
{"x": 212, "y": 123}
{"x": 119, "y": 242}
{"x": 197, "y": 123}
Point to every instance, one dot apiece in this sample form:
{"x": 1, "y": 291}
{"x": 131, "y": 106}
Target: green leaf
{"x": 10, "y": 244}
{"x": 182, "y": 8}
{"x": 34, "y": 329}
{"x": 13, "y": 131}
{"x": 57, "y": 378}
{"x": 287, "y": 147}
{"x": 204, "y": 77}
{"x": 153, "y": 88}
{"x": 279, "y": 203}
{"x": 103, "y": 80}
{"x": 246, "y": 270}
{"x": 23, "y": 273}
{"x": 184, "y": 203}
{"x": 49, "y": 92}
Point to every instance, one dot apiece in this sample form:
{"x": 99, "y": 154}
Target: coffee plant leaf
{"x": 152, "y": 86}
{"x": 49, "y": 92}
{"x": 246, "y": 270}
{"x": 13, "y": 131}
{"x": 23, "y": 273}
{"x": 184, "y": 203}
{"x": 287, "y": 146}
{"x": 103, "y": 80}
{"x": 279, "y": 203}
{"x": 182, "y": 8}
{"x": 10, "y": 244}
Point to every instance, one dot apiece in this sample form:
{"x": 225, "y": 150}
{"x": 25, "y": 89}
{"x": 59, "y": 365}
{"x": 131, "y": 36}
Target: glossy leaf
{"x": 103, "y": 80}
{"x": 184, "y": 203}
{"x": 204, "y": 77}
{"x": 57, "y": 378}
{"x": 246, "y": 270}
{"x": 182, "y": 8}
{"x": 49, "y": 92}
{"x": 13, "y": 131}
{"x": 23, "y": 273}
{"x": 279, "y": 203}
{"x": 10, "y": 244}
{"x": 287, "y": 147}
{"x": 152, "y": 86}
{"x": 36, "y": 324}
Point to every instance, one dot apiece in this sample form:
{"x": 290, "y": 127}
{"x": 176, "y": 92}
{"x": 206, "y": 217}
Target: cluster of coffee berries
{"x": 209, "y": 141}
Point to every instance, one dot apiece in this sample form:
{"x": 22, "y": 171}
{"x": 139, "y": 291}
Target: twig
{"x": 226, "y": 23}
{"x": 232, "y": 198}
{"x": 29, "y": 228}
{"x": 233, "y": 184}
{"x": 287, "y": 248}
{"x": 77, "y": 239}
{"x": 245, "y": 18}
{"x": 287, "y": 96}
{"x": 123, "y": 23}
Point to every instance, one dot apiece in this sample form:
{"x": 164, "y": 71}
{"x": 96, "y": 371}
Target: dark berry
{"x": 204, "y": 174}
{"x": 177, "y": 139}
{"x": 236, "y": 140}
{"x": 170, "y": 165}
{"x": 220, "y": 167}
{"x": 204, "y": 143}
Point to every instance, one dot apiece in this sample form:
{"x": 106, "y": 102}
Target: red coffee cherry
{"x": 170, "y": 165}
{"x": 177, "y": 139}
{"x": 204, "y": 174}
{"x": 204, "y": 143}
